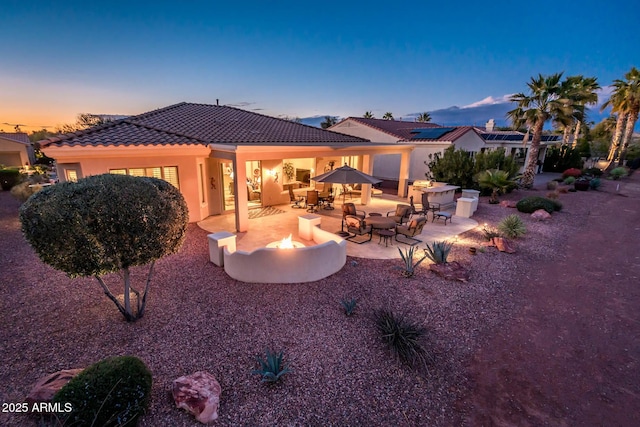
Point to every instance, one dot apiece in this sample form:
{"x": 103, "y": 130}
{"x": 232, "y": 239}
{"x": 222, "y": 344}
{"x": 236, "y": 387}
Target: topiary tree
{"x": 104, "y": 224}
{"x": 112, "y": 392}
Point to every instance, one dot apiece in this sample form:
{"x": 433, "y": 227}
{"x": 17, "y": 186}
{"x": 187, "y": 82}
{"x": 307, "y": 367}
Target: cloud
{"x": 241, "y": 104}
{"x": 490, "y": 100}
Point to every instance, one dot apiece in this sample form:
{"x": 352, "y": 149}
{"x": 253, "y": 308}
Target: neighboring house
{"x": 16, "y": 149}
{"x": 430, "y": 138}
{"x": 222, "y": 159}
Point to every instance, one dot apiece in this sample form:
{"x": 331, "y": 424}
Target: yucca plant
{"x": 408, "y": 269}
{"x": 402, "y": 336}
{"x": 349, "y": 306}
{"x": 512, "y": 226}
{"x": 438, "y": 251}
{"x": 271, "y": 368}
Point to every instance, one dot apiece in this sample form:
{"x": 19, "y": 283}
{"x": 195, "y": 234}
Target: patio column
{"x": 241, "y": 199}
{"x": 367, "y": 167}
{"x": 403, "y": 177}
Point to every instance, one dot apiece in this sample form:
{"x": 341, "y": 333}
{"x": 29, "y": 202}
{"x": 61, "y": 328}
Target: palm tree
{"x": 328, "y": 122}
{"x": 388, "y": 116}
{"x": 625, "y": 102}
{"x": 542, "y": 103}
{"x": 496, "y": 180}
{"x": 579, "y": 91}
{"x": 423, "y": 117}
{"x": 368, "y": 115}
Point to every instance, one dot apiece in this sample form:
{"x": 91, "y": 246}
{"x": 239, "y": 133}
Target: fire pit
{"x": 286, "y": 243}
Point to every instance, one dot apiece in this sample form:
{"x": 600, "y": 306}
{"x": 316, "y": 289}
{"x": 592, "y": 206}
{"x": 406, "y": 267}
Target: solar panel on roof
{"x": 430, "y": 133}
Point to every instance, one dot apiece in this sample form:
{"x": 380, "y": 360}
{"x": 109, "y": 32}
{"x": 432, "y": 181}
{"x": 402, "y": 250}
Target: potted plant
{"x": 581, "y": 184}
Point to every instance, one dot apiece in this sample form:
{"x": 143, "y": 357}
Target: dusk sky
{"x": 58, "y": 59}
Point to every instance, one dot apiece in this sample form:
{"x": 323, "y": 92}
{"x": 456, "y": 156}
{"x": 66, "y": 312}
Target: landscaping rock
{"x": 450, "y": 271}
{"x": 540, "y": 215}
{"x": 47, "y": 387}
{"x": 508, "y": 203}
{"x": 502, "y": 244}
{"x": 199, "y": 394}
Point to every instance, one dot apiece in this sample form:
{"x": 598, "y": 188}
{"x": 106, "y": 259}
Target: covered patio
{"x": 271, "y": 228}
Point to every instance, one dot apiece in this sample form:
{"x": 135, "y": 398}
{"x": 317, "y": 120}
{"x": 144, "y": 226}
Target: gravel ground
{"x": 198, "y": 318}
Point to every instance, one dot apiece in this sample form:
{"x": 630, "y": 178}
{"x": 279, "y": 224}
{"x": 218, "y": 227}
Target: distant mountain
{"x": 316, "y": 120}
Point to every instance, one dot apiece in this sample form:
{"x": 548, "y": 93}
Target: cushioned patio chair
{"x": 429, "y": 206}
{"x": 358, "y": 227}
{"x": 350, "y": 209}
{"x": 401, "y": 214}
{"x": 413, "y": 228}
{"x": 296, "y": 200}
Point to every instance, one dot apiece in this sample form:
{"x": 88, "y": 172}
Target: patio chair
{"x": 350, "y": 209}
{"x": 296, "y": 200}
{"x": 328, "y": 200}
{"x": 415, "y": 210}
{"x": 358, "y": 227}
{"x": 312, "y": 201}
{"x": 401, "y": 214}
{"x": 428, "y": 206}
{"x": 414, "y": 228}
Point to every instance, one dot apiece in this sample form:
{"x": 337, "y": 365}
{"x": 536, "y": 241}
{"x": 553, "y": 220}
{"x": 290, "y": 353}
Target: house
{"x": 16, "y": 149}
{"x": 430, "y": 138}
{"x": 222, "y": 159}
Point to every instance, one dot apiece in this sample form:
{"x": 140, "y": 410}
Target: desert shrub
{"x": 561, "y": 158}
{"x": 272, "y": 367}
{"x": 572, "y": 172}
{"x": 112, "y": 392}
{"x": 24, "y": 190}
{"x": 495, "y": 159}
{"x": 552, "y": 185}
{"x": 489, "y": 232}
{"x": 495, "y": 180}
{"x": 592, "y": 172}
{"x": 553, "y": 195}
{"x": 438, "y": 251}
{"x": 562, "y": 190}
{"x": 348, "y": 305}
{"x": 512, "y": 226}
{"x": 403, "y": 337}
{"x": 533, "y": 203}
{"x": 634, "y": 164}
{"x": 106, "y": 224}
{"x": 618, "y": 172}
{"x": 9, "y": 177}
{"x": 595, "y": 183}
{"x": 455, "y": 167}
{"x": 569, "y": 180}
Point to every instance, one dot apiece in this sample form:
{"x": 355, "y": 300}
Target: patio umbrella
{"x": 346, "y": 175}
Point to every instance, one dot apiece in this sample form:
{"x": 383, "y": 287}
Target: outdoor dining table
{"x": 380, "y": 222}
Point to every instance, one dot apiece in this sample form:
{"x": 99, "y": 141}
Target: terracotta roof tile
{"x": 400, "y": 129}
{"x": 187, "y": 123}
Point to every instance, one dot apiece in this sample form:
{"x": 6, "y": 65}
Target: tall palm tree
{"x": 367, "y": 115}
{"x": 632, "y": 108}
{"x": 625, "y": 102}
{"x": 542, "y": 103}
{"x": 388, "y": 116}
{"x": 423, "y": 117}
{"x": 580, "y": 92}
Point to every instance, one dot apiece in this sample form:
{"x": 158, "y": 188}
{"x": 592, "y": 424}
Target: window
{"x": 72, "y": 175}
{"x": 168, "y": 173}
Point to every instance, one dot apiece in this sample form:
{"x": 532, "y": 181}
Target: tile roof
{"x": 400, "y": 129}
{"x": 16, "y": 137}
{"x": 188, "y": 123}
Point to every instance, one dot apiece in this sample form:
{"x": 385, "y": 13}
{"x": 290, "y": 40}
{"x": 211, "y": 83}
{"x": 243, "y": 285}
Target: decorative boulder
{"x": 541, "y": 215}
{"x": 450, "y": 271}
{"x": 508, "y": 203}
{"x": 47, "y": 387}
{"x": 199, "y": 394}
{"x": 502, "y": 244}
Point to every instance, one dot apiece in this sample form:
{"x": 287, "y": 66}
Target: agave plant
{"x": 271, "y": 368}
{"x": 349, "y": 306}
{"x": 512, "y": 226}
{"x": 408, "y": 269}
{"x": 438, "y": 251}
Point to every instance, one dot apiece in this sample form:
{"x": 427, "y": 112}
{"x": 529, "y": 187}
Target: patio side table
{"x": 386, "y": 235}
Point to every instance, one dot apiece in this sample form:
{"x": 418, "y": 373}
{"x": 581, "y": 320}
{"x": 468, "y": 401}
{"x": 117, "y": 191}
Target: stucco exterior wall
{"x": 13, "y": 153}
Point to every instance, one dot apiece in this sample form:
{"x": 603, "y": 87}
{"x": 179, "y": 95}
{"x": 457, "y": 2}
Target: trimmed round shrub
{"x": 533, "y": 203}
{"x": 552, "y": 185}
{"x": 112, "y": 392}
{"x": 9, "y": 177}
{"x": 595, "y": 183}
{"x": 574, "y": 172}
{"x": 618, "y": 172}
{"x": 512, "y": 226}
{"x": 569, "y": 180}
